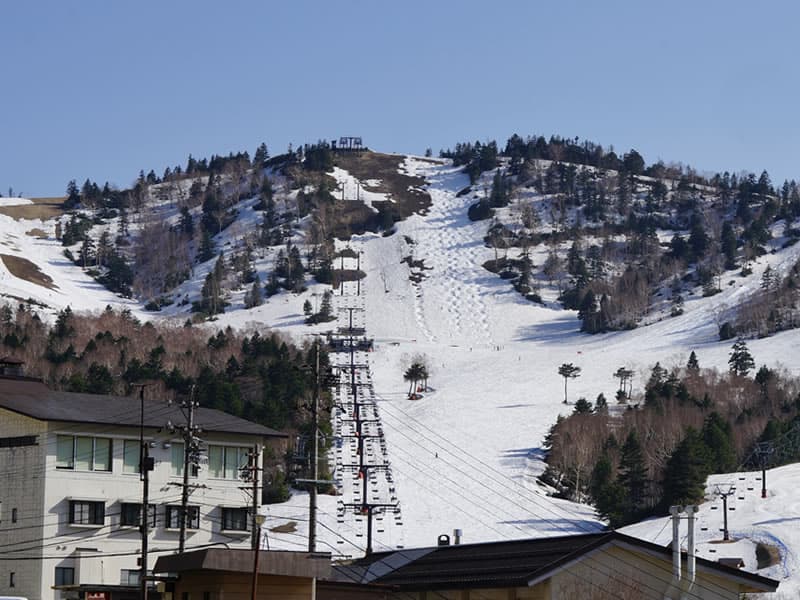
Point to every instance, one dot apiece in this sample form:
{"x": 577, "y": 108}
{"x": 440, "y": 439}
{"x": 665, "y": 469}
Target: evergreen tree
{"x": 64, "y": 324}
{"x": 763, "y": 377}
{"x": 186, "y": 222}
{"x": 212, "y": 300}
{"x": 698, "y": 238}
{"x": 590, "y": 314}
{"x": 740, "y": 360}
{"x": 273, "y": 285}
{"x": 122, "y": 224}
{"x": 728, "y": 245}
{"x": 608, "y": 494}
{"x": 325, "y": 308}
{"x": 686, "y": 471}
{"x": 254, "y": 297}
{"x": 718, "y": 438}
{"x": 73, "y": 195}
{"x": 99, "y": 379}
{"x": 294, "y": 278}
{"x": 632, "y": 471}
{"x": 207, "y": 250}
{"x": 583, "y": 406}
{"x": 692, "y": 365}
{"x": 261, "y": 155}
{"x": 87, "y": 254}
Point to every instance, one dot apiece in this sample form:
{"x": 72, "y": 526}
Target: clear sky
{"x": 102, "y": 89}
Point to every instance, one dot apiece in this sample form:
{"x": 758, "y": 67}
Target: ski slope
{"x": 751, "y": 519}
{"x": 467, "y": 454}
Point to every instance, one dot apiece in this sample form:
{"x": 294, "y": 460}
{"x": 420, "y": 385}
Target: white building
{"x": 71, "y": 492}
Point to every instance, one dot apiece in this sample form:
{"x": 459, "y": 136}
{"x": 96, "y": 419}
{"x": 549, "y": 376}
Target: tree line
{"x": 657, "y": 448}
{"x": 611, "y": 209}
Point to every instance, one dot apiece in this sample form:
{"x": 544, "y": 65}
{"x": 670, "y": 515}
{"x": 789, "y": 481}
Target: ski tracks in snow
{"x": 450, "y": 293}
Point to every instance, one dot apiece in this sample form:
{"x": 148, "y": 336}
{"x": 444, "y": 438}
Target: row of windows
{"x": 84, "y": 453}
{"x": 93, "y": 513}
{"x": 66, "y": 576}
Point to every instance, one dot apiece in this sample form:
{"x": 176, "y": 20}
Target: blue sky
{"x": 102, "y": 89}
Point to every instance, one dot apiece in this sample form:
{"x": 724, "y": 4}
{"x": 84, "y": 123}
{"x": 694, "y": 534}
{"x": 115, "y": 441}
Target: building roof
{"x": 271, "y": 562}
{"x": 515, "y": 563}
{"x": 32, "y": 398}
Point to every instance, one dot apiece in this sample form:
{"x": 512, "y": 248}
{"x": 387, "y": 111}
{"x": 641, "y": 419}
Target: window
{"x": 227, "y": 461}
{"x": 234, "y": 519}
{"x": 65, "y": 576}
{"x": 12, "y": 579}
{"x": 65, "y": 452}
{"x": 87, "y": 512}
{"x": 177, "y": 462}
{"x": 102, "y": 454}
{"x": 83, "y": 453}
{"x": 129, "y": 576}
{"x": 130, "y": 456}
{"x": 131, "y": 514}
{"x": 84, "y": 449}
{"x": 174, "y": 517}
{"x": 177, "y": 459}
{"x": 13, "y": 515}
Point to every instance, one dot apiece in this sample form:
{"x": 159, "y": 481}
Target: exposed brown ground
{"x": 24, "y": 269}
{"x": 767, "y": 555}
{"x": 37, "y": 233}
{"x": 42, "y": 208}
{"x": 375, "y": 165}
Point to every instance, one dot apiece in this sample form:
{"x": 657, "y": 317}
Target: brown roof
{"x": 515, "y": 563}
{"x": 34, "y": 399}
{"x": 271, "y": 562}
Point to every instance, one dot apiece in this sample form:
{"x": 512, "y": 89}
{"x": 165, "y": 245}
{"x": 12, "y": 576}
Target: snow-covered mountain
{"x": 468, "y": 452}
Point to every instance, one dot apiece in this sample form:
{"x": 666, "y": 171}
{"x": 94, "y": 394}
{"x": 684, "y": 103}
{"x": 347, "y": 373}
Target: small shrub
{"x": 726, "y": 331}
{"x": 480, "y": 211}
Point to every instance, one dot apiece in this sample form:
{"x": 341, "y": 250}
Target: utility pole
{"x": 315, "y": 481}
{"x": 146, "y": 464}
{"x": 254, "y": 474}
{"x": 312, "y": 515}
{"x": 189, "y": 442}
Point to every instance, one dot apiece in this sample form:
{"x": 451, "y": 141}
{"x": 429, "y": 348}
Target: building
{"x": 71, "y": 492}
{"x": 218, "y": 573}
{"x": 598, "y": 566}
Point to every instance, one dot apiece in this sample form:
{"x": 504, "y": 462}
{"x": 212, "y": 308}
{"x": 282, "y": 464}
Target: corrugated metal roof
{"x": 495, "y": 564}
{"x": 506, "y": 564}
{"x": 34, "y": 399}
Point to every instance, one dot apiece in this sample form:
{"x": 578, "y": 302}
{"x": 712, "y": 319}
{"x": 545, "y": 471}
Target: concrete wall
{"x": 21, "y": 488}
{"x": 209, "y": 585}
